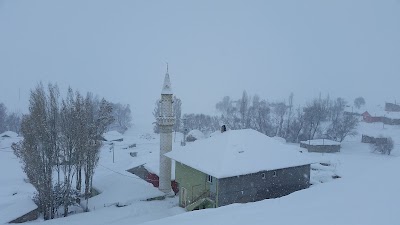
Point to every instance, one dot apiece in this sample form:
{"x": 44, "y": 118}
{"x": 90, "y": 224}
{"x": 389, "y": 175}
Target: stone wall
{"x": 321, "y": 148}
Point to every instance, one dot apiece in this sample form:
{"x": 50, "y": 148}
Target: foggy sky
{"x": 118, "y": 50}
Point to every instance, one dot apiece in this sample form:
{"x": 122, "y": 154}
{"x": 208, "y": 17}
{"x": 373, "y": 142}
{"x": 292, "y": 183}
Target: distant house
{"x": 371, "y": 119}
{"x": 390, "y": 114}
{"x": 151, "y": 177}
{"x": 237, "y": 166}
{"x": 321, "y": 145}
{"x": 390, "y": 107}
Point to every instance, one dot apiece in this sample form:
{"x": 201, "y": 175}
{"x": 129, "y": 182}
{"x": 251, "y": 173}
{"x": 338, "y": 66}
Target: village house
{"x": 237, "y": 166}
{"x": 389, "y": 115}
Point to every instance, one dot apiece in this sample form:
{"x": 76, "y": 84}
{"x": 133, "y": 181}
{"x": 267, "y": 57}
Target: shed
{"x": 237, "y": 166}
{"x": 321, "y": 145}
{"x": 113, "y": 136}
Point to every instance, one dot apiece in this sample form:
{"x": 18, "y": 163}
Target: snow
{"x": 370, "y": 198}
{"x": 197, "y": 134}
{"x": 320, "y": 142}
{"x": 238, "y": 152}
{"x": 367, "y": 192}
{"x": 8, "y": 134}
{"x": 112, "y": 135}
{"x": 167, "y": 89}
{"x": 15, "y": 193}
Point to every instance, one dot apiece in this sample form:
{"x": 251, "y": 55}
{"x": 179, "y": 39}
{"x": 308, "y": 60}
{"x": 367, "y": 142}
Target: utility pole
{"x": 112, "y": 148}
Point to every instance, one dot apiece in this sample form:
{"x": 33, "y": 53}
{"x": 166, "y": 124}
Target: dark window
{"x": 263, "y": 175}
{"x": 274, "y": 174}
{"x": 209, "y": 179}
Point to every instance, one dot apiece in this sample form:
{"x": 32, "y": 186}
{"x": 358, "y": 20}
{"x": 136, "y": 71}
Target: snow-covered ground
{"x": 15, "y": 193}
{"x": 367, "y": 192}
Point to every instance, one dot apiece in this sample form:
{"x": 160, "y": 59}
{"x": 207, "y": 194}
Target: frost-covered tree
{"x": 383, "y": 145}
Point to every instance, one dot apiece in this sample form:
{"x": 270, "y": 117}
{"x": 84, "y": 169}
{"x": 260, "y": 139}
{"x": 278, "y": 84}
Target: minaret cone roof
{"x": 166, "y": 90}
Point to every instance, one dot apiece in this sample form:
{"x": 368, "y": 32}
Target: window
{"x": 263, "y": 175}
{"x": 274, "y": 174}
{"x": 209, "y": 179}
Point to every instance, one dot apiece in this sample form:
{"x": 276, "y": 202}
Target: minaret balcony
{"x": 166, "y": 120}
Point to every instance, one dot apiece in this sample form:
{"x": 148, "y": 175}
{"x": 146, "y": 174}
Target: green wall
{"x": 194, "y": 181}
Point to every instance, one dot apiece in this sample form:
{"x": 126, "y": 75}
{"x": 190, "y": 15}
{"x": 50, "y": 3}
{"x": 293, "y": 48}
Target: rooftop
{"x": 238, "y": 152}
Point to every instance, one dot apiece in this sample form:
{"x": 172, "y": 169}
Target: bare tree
{"x": 65, "y": 138}
{"x": 314, "y": 114}
{"x": 342, "y": 127}
{"x": 259, "y": 113}
{"x": 279, "y": 110}
{"x": 3, "y": 116}
{"x": 37, "y": 152}
{"x": 358, "y": 102}
{"x": 68, "y": 143}
{"x": 177, "y": 107}
{"x": 289, "y": 115}
{"x": 123, "y": 117}
{"x": 13, "y": 122}
{"x": 243, "y": 105}
{"x": 202, "y": 122}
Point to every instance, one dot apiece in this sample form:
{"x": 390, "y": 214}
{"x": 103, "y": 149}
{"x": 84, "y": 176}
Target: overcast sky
{"x": 118, "y": 50}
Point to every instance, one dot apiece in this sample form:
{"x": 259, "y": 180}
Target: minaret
{"x": 166, "y": 121}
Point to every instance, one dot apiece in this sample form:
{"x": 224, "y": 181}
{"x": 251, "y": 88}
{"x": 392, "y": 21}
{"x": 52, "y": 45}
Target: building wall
{"x": 252, "y": 187}
{"x": 194, "y": 181}
{"x": 390, "y": 107}
{"x": 321, "y": 148}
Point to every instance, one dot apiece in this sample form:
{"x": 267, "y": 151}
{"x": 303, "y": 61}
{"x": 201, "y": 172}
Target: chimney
{"x": 223, "y": 128}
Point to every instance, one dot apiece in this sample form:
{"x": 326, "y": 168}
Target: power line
{"x": 119, "y": 172}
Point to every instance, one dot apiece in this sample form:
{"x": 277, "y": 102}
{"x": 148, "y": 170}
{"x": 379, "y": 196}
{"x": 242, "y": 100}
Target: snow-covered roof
{"x": 320, "y": 142}
{"x": 166, "y": 89}
{"x": 379, "y": 111}
{"x": 113, "y": 135}
{"x": 392, "y": 115}
{"x": 238, "y": 152}
{"x": 196, "y": 134}
{"x": 9, "y": 134}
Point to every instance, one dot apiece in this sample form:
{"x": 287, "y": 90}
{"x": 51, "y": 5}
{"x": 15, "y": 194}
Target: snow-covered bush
{"x": 383, "y": 145}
